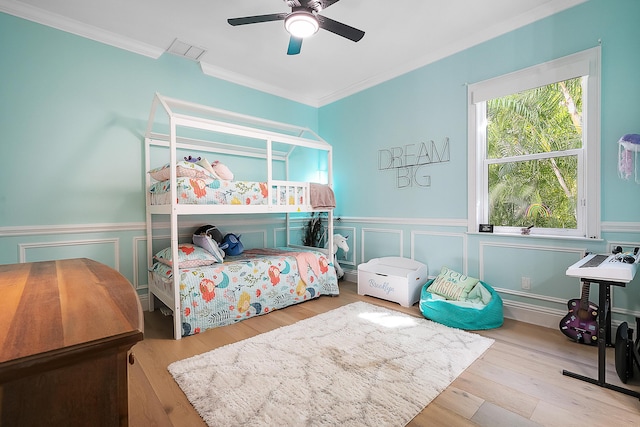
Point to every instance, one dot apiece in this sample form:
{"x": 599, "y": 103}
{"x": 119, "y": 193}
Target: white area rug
{"x": 358, "y": 365}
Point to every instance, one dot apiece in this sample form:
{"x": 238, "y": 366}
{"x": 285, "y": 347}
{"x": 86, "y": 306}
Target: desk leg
{"x": 604, "y": 331}
{"x": 604, "y": 339}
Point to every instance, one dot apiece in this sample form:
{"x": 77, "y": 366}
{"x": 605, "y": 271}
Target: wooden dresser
{"x": 66, "y": 330}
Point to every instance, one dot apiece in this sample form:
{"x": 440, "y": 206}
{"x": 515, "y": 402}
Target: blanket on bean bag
{"x": 477, "y": 313}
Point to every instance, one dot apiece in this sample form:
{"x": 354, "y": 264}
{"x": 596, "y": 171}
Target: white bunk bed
{"x": 179, "y": 126}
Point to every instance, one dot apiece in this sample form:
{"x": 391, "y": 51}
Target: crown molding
{"x": 62, "y": 23}
{"x": 50, "y": 19}
{"x": 242, "y": 80}
{"x": 547, "y": 9}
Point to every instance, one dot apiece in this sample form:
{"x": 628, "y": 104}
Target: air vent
{"x": 186, "y": 50}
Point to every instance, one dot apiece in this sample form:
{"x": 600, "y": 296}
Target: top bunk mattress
{"x": 197, "y": 186}
{"x": 197, "y": 191}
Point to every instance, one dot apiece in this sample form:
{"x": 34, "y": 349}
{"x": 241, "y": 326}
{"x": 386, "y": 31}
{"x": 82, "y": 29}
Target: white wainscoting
{"x": 537, "y": 314}
{"x": 523, "y": 312}
{"x": 138, "y": 255}
{"x": 371, "y": 230}
{"x": 350, "y": 257}
{"x": 56, "y": 246}
{"x": 456, "y": 249}
{"x": 394, "y": 248}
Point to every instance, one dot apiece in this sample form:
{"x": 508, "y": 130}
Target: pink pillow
{"x": 222, "y": 171}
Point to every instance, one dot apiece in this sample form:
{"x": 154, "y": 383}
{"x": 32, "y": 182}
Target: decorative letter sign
{"x": 410, "y": 162}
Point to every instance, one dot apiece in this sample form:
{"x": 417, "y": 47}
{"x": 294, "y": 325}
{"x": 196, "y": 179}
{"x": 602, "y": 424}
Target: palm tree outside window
{"x": 534, "y": 149}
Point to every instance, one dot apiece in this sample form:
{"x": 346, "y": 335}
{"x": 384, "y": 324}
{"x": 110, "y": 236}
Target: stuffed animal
{"x": 232, "y": 245}
{"x": 339, "y": 242}
{"x": 192, "y": 159}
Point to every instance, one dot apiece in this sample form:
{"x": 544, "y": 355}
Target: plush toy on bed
{"x": 232, "y": 245}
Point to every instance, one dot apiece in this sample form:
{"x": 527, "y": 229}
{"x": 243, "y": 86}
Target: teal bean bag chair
{"x": 469, "y": 318}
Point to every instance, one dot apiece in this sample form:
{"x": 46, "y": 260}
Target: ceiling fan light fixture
{"x": 301, "y": 24}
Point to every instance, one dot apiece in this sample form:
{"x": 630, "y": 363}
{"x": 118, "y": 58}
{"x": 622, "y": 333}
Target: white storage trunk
{"x": 394, "y": 279}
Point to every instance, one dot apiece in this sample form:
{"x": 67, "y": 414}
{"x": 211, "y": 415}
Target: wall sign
{"x": 409, "y": 162}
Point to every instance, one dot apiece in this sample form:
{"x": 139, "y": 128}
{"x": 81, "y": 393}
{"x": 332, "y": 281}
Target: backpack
{"x": 208, "y": 238}
{"x": 210, "y": 230}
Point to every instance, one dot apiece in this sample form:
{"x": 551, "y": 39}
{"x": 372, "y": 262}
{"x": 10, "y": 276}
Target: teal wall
{"x": 73, "y": 113}
{"x": 430, "y": 104}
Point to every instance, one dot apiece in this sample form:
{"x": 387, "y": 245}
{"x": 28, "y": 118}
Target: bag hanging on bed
{"x": 208, "y": 238}
{"x": 210, "y": 230}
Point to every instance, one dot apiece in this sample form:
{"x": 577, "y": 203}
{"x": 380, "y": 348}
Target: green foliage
{"x": 540, "y": 192}
{"x": 313, "y": 231}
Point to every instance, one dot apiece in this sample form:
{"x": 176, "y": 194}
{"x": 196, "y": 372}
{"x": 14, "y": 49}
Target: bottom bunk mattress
{"x": 254, "y": 283}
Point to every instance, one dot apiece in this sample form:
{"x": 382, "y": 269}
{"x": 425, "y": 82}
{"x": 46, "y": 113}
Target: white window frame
{"x": 585, "y": 63}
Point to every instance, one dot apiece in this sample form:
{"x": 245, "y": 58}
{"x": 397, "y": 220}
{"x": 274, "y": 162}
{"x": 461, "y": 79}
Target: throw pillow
{"x": 183, "y": 169}
{"x": 452, "y": 285}
{"x": 189, "y": 256}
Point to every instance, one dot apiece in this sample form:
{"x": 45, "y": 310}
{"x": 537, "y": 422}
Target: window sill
{"x": 537, "y": 236}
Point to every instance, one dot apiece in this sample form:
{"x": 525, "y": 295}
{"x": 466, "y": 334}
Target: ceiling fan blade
{"x": 295, "y": 44}
{"x": 256, "y": 19}
{"x": 339, "y": 28}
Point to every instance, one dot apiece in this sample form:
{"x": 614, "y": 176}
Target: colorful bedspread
{"x": 197, "y": 191}
{"x": 212, "y": 192}
{"x": 254, "y": 283}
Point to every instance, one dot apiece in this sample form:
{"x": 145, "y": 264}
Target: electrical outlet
{"x": 526, "y": 283}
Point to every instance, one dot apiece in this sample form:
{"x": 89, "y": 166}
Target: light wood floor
{"x": 517, "y": 382}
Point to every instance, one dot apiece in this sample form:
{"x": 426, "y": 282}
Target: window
{"x": 534, "y": 149}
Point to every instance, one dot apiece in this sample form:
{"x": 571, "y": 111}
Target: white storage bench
{"x": 394, "y": 279}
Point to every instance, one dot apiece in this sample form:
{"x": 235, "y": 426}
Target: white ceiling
{"x": 399, "y": 36}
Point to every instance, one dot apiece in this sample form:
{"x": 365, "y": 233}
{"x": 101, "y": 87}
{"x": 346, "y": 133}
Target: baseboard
{"x": 535, "y": 315}
{"x": 521, "y": 312}
{"x": 144, "y": 301}
{"x": 351, "y": 276}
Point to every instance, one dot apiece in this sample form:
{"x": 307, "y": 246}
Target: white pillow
{"x": 189, "y": 256}
{"x": 183, "y": 169}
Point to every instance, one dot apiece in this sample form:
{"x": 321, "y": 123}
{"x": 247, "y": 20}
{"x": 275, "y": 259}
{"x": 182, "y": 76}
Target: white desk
{"x": 606, "y": 274}
{"x": 605, "y": 267}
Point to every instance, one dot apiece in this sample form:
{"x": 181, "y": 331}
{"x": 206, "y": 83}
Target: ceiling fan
{"x": 303, "y": 21}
